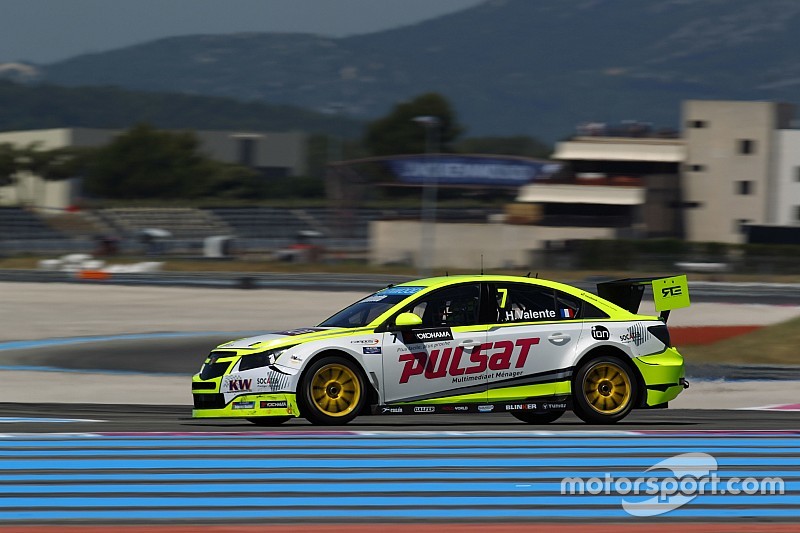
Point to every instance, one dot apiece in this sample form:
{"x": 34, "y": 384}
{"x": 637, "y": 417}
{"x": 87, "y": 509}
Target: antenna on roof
{"x": 528, "y": 275}
{"x": 481, "y": 264}
{"x": 446, "y": 273}
{"x": 537, "y": 275}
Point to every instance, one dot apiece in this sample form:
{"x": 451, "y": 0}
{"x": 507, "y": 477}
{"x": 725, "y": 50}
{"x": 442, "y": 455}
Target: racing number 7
{"x": 503, "y": 298}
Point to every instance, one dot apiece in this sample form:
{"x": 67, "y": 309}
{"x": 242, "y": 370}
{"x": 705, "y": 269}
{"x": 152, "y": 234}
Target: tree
{"x": 8, "y": 163}
{"x": 147, "y": 163}
{"x": 398, "y": 133}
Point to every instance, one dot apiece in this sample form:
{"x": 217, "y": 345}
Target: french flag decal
{"x": 567, "y": 313}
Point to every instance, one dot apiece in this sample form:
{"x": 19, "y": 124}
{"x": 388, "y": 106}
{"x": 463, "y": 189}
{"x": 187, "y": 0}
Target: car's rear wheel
{"x": 269, "y": 420}
{"x": 332, "y": 391}
{"x": 604, "y": 391}
{"x": 537, "y": 418}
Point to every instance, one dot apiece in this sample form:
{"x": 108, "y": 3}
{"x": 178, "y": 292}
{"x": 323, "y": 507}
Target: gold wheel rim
{"x": 607, "y": 388}
{"x": 335, "y": 390}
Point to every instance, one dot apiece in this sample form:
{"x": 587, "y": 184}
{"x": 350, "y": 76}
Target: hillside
{"x": 509, "y": 66}
{"x": 25, "y": 107}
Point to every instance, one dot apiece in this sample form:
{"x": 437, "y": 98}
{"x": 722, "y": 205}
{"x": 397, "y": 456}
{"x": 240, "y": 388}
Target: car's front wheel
{"x": 537, "y": 418}
{"x": 604, "y": 391}
{"x": 332, "y": 391}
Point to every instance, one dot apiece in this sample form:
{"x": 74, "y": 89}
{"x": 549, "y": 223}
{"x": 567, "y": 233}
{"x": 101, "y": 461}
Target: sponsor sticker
{"x": 427, "y": 335}
{"x": 244, "y": 405}
{"x": 485, "y": 408}
{"x": 300, "y": 331}
{"x": 519, "y": 314}
{"x": 425, "y": 409}
{"x": 503, "y": 359}
{"x": 392, "y": 410}
{"x": 237, "y": 384}
{"x": 274, "y": 404}
{"x": 374, "y": 298}
{"x": 366, "y": 342}
{"x": 600, "y": 333}
{"x": 400, "y": 291}
{"x": 671, "y": 293}
{"x": 371, "y": 350}
{"x": 637, "y": 334}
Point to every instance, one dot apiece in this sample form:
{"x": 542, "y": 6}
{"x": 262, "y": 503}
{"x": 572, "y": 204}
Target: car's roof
{"x": 443, "y": 281}
{"x": 462, "y": 278}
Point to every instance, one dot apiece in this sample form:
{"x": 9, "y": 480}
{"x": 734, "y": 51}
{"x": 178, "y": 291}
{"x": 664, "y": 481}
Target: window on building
{"x": 746, "y": 146}
{"x": 698, "y": 124}
{"x": 696, "y": 168}
{"x": 744, "y": 187}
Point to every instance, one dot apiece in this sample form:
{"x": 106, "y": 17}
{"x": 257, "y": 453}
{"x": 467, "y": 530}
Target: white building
{"x": 738, "y": 168}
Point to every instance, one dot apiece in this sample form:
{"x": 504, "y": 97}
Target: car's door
{"x": 438, "y": 359}
{"x": 534, "y": 341}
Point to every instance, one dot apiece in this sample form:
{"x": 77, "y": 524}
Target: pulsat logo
{"x": 600, "y": 333}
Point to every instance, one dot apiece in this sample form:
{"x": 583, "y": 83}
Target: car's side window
{"x": 518, "y": 302}
{"x": 453, "y": 306}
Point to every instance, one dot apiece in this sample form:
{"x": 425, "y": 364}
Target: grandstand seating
{"x": 181, "y": 222}
{"x": 351, "y": 227}
{"x": 20, "y": 225}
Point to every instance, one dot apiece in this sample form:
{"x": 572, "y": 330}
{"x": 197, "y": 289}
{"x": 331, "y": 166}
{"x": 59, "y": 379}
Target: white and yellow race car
{"x": 458, "y": 344}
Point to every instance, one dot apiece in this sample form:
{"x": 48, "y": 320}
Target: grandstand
{"x": 20, "y": 224}
{"x": 181, "y": 222}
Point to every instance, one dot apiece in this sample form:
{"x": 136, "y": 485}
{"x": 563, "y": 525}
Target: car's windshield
{"x": 368, "y": 309}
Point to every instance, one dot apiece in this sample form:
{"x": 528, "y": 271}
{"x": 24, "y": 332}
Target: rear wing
{"x": 668, "y": 293}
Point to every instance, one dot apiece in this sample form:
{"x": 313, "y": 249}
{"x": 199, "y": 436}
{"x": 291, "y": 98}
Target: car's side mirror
{"x": 407, "y": 321}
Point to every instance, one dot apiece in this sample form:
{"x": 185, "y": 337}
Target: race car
{"x": 458, "y": 344}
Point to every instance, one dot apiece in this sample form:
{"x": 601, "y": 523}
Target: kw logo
{"x": 668, "y": 292}
{"x": 239, "y": 384}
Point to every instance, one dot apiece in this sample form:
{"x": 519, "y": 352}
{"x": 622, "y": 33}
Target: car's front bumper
{"x": 663, "y": 375}
{"x": 207, "y": 405}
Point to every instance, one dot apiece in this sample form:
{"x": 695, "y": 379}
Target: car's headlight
{"x": 258, "y": 360}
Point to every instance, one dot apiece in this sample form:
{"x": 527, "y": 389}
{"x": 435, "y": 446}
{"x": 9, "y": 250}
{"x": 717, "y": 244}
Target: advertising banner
{"x": 461, "y": 170}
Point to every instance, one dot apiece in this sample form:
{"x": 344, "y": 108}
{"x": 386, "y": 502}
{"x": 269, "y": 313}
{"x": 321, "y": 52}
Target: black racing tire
{"x": 537, "y": 418}
{"x": 604, "y": 390}
{"x": 269, "y": 421}
{"x": 332, "y": 392}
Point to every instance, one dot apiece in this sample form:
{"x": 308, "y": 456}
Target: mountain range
{"x": 532, "y": 67}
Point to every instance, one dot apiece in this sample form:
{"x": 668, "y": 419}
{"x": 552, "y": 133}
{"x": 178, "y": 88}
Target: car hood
{"x": 284, "y": 338}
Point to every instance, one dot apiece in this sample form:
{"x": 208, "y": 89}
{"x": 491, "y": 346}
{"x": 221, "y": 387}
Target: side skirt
{"x": 537, "y": 405}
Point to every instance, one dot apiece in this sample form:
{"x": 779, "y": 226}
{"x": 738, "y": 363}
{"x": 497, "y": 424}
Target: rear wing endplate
{"x": 668, "y": 293}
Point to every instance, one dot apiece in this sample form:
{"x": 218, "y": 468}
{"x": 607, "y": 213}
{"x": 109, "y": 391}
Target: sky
{"x": 43, "y": 31}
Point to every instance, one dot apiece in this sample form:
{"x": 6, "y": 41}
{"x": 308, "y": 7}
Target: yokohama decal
{"x": 500, "y": 355}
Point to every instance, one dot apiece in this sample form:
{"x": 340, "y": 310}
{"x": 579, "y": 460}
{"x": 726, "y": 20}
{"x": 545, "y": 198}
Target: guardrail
{"x": 708, "y": 291}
